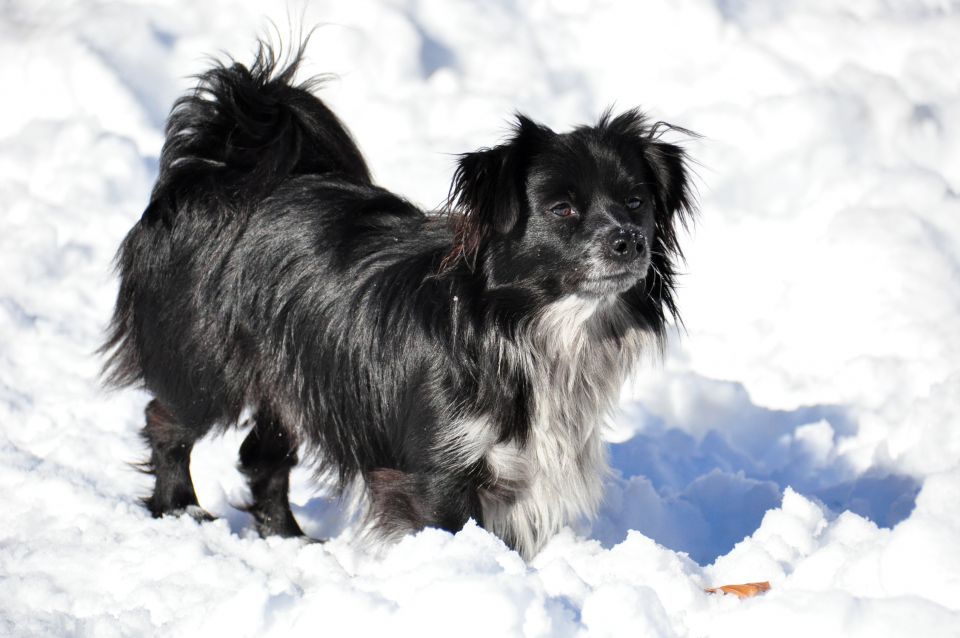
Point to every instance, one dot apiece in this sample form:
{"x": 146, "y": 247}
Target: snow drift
{"x": 803, "y": 430}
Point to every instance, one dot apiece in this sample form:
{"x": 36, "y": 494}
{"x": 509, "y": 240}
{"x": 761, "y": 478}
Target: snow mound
{"x": 804, "y": 429}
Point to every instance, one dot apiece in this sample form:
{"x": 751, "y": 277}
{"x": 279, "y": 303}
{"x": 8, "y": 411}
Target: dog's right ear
{"x": 488, "y": 192}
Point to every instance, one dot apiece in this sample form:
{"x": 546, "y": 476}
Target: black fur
{"x": 269, "y": 272}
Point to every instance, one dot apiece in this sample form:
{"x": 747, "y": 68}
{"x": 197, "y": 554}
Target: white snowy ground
{"x": 805, "y": 430}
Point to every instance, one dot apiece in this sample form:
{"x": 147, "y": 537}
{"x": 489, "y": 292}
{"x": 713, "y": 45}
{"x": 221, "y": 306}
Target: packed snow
{"x": 804, "y": 427}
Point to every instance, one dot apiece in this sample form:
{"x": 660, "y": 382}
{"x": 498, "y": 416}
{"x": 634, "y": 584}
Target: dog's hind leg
{"x": 170, "y": 445}
{"x": 266, "y": 457}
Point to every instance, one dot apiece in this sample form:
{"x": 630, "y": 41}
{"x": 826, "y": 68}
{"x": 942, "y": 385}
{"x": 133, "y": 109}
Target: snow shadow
{"x": 702, "y": 482}
{"x": 434, "y": 54}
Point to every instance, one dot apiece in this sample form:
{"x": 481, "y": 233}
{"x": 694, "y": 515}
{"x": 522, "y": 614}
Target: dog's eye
{"x": 563, "y": 209}
{"x": 634, "y": 203}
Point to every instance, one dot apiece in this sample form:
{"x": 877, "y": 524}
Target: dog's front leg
{"x": 404, "y": 502}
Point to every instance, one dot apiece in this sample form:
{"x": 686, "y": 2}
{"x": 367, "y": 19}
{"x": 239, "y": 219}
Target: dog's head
{"x": 590, "y": 212}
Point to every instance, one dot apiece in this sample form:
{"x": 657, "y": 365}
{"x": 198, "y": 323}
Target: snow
{"x": 805, "y": 429}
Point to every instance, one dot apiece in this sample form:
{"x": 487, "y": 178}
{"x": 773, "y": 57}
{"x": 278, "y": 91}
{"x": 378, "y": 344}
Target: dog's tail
{"x": 244, "y": 130}
{"x": 229, "y": 143}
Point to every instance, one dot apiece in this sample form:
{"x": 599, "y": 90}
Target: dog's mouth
{"x": 613, "y": 283}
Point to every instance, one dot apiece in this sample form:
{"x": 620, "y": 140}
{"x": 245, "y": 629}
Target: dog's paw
{"x": 309, "y": 540}
{"x": 195, "y": 512}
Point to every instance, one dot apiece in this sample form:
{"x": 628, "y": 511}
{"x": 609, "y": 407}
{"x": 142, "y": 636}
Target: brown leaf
{"x": 745, "y": 590}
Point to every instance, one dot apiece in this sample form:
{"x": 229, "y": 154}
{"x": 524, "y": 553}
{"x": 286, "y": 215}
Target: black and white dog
{"x": 458, "y": 365}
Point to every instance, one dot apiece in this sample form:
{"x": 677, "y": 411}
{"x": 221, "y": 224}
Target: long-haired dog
{"x": 458, "y": 365}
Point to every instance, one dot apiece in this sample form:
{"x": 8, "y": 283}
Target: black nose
{"x": 626, "y": 244}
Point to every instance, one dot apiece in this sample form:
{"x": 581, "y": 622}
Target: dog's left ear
{"x": 488, "y": 192}
{"x": 669, "y": 165}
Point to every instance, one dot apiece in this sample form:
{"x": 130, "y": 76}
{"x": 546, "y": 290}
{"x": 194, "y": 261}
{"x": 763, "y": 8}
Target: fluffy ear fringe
{"x": 487, "y": 192}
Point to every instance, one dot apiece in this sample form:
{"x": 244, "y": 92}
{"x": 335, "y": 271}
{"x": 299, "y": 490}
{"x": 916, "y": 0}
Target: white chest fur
{"x": 576, "y": 368}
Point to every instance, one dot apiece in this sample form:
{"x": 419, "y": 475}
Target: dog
{"x": 457, "y": 366}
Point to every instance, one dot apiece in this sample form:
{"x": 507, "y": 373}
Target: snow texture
{"x": 804, "y": 430}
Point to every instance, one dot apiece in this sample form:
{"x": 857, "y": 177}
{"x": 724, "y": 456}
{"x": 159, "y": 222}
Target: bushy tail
{"x": 243, "y": 130}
